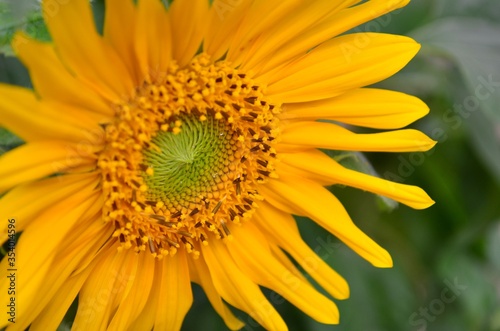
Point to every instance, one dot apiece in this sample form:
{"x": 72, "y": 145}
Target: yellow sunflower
{"x": 175, "y": 148}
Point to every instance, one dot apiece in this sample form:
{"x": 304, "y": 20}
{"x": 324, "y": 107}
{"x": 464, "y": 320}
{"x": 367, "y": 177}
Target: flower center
{"x": 184, "y": 157}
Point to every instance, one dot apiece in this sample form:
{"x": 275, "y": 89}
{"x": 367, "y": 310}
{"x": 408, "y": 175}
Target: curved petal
{"x": 372, "y": 108}
{"x": 283, "y": 228}
{"x": 339, "y": 65}
{"x": 32, "y": 120}
{"x": 53, "y": 81}
{"x": 119, "y": 26}
{"x": 316, "y": 202}
{"x": 25, "y": 202}
{"x": 200, "y": 274}
{"x": 282, "y": 23}
{"x": 320, "y": 164}
{"x": 189, "y": 21}
{"x": 86, "y": 238}
{"x": 58, "y": 306}
{"x": 35, "y": 252}
{"x": 84, "y": 52}
{"x": 175, "y": 292}
{"x": 237, "y": 288}
{"x": 332, "y": 136}
{"x": 111, "y": 274}
{"x": 224, "y": 18}
{"x": 333, "y": 25}
{"x": 252, "y": 254}
{"x": 152, "y": 39}
{"x": 39, "y": 159}
{"x": 137, "y": 292}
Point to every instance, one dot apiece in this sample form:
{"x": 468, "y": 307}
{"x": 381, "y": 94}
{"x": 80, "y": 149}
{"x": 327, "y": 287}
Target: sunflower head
{"x": 176, "y": 146}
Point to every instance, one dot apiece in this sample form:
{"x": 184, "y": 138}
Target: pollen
{"x": 185, "y": 157}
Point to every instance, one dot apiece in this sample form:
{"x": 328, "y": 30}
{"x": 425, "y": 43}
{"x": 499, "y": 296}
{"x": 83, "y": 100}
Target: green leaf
{"x": 21, "y": 15}
{"x": 8, "y": 141}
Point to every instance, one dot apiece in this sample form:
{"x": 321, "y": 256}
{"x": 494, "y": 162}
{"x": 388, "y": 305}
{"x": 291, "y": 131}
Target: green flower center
{"x": 188, "y": 164}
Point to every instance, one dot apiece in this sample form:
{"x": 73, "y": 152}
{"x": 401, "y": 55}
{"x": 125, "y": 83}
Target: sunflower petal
{"x": 332, "y": 136}
{"x": 152, "y": 28}
{"x": 52, "y": 80}
{"x": 284, "y": 229}
{"x": 264, "y": 269}
{"x": 283, "y": 23}
{"x": 316, "y": 202}
{"x": 57, "y": 307}
{"x": 81, "y": 48}
{"x": 175, "y": 292}
{"x": 199, "y": 273}
{"x": 84, "y": 239}
{"x": 27, "y": 201}
{"x": 30, "y": 119}
{"x": 189, "y": 21}
{"x": 373, "y": 108}
{"x": 333, "y": 25}
{"x": 224, "y": 19}
{"x": 238, "y": 289}
{"x": 138, "y": 294}
{"x": 110, "y": 275}
{"x": 337, "y": 66}
{"x": 119, "y": 25}
{"x": 39, "y": 159}
{"x": 318, "y": 163}
{"x": 35, "y": 253}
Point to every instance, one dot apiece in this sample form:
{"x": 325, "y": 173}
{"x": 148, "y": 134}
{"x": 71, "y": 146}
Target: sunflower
{"x": 176, "y": 146}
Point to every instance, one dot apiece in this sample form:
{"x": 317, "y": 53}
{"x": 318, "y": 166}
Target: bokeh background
{"x": 446, "y": 273}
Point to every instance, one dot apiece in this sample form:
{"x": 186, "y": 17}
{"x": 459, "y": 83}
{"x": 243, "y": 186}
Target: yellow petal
{"x": 138, "y": 294}
{"x": 318, "y": 163}
{"x": 237, "y": 288}
{"x": 119, "y": 26}
{"x": 189, "y": 20}
{"x": 86, "y": 238}
{"x": 224, "y": 19}
{"x": 110, "y": 275}
{"x": 373, "y": 108}
{"x": 39, "y": 159}
{"x": 264, "y": 269}
{"x": 25, "y": 202}
{"x": 52, "y": 80}
{"x": 332, "y": 136}
{"x": 316, "y": 202}
{"x": 260, "y": 21}
{"x": 199, "y": 273}
{"x": 35, "y": 253}
{"x": 280, "y": 23}
{"x": 283, "y": 228}
{"x": 338, "y": 65}
{"x": 82, "y": 49}
{"x": 58, "y": 306}
{"x": 333, "y": 25}
{"x": 153, "y": 39}
{"x": 31, "y": 120}
{"x": 175, "y": 292}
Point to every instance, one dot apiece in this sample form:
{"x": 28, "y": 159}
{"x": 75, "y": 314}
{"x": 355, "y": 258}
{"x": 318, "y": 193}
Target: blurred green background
{"x": 446, "y": 273}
